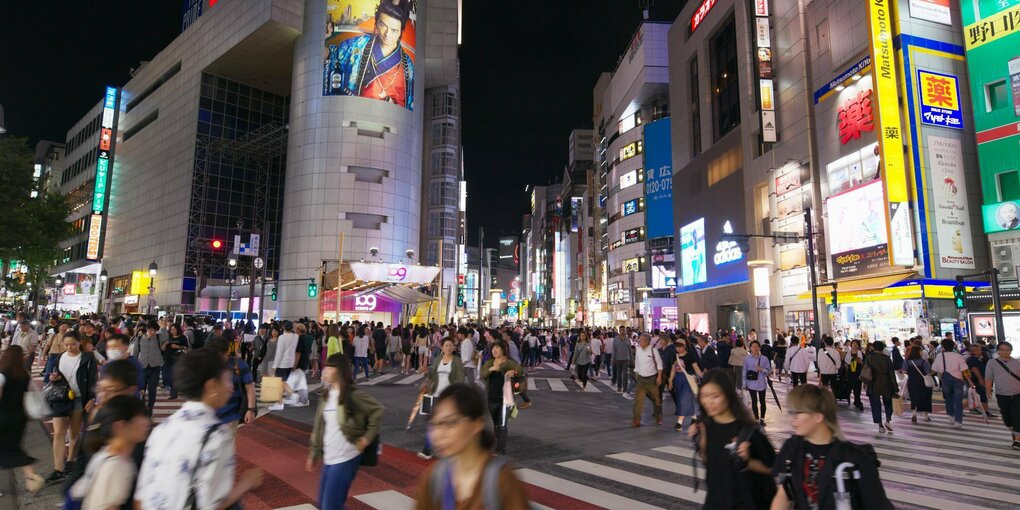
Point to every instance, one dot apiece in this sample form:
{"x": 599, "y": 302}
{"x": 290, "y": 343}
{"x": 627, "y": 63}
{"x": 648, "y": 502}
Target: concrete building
{"x": 635, "y": 93}
{"x": 255, "y": 91}
{"x": 782, "y": 135}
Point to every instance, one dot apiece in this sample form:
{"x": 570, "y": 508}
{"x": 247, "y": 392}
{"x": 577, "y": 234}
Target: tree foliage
{"x": 31, "y": 229}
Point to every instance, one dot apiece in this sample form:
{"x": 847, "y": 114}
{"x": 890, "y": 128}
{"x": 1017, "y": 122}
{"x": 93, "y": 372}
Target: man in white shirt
{"x": 596, "y": 355}
{"x": 361, "y": 346}
{"x": 952, "y": 366}
{"x": 467, "y": 356}
{"x": 286, "y": 347}
{"x": 828, "y": 363}
{"x": 26, "y": 338}
{"x": 648, "y": 375}
{"x": 798, "y": 359}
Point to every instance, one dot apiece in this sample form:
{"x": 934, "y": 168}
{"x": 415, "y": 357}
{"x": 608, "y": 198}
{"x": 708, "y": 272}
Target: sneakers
{"x": 300, "y": 404}
{"x": 1016, "y": 445}
{"x": 276, "y": 407}
{"x": 881, "y": 429}
{"x": 679, "y": 427}
{"x": 990, "y": 415}
{"x": 425, "y": 454}
{"x": 913, "y": 419}
{"x": 975, "y": 412}
{"x": 888, "y": 426}
{"x": 525, "y": 405}
{"x": 56, "y": 477}
{"x": 927, "y": 418}
{"x": 958, "y": 425}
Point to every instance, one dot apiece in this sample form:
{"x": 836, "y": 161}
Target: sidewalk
{"x": 37, "y": 443}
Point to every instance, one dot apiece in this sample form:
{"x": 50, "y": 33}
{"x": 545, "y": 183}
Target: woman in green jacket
{"x": 445, "y": 370}
{"x": 346, "y": 423}
{"x": 495, "y": 372}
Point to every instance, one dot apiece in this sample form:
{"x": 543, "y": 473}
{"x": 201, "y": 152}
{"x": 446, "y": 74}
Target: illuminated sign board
{"x": 855, "y": 117}
{"x": 728, "y": 263}
{"x": 139, "y": 282}
{"x": 659, "y": 180}
{"x": 766, "y": 86}
{"x": 940, "y": 99}
{"x": 99, "y": 194}
{"x": 632, "y": 265}
{"x": 693, "y": 270}
{"x": 95, "y": 233}
{"x": 860, "y": 245}
{"x": 700, "y": 13}
{"x": 365, "y": 303}
{"x": 890, "y": 136}
{"x": 106, "y": 134}
{"x": 629, "y": 207}
{"x": 628, "y": 179}
{"x": 727, "y": 251}
{"x": 349, "y": 35}
{"x": 632, "y": 236}
{"x": 629, "y": 151}
{"x": 393, "y": 273}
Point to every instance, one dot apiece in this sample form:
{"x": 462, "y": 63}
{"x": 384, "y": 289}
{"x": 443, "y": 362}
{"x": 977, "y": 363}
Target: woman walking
{"x": 582, "y": 359}
{"x": 755, "y": 376}
{"x": 737, "y": 355}
{"x": 495, "y": 372}
{"x": 779, "y": 354}
{"x": 918, "y": 370}
{"x": 854, "y": 362}
{"x": 76, "y": 370}
{"x": 346, "y": 423}
{"x": 14, "y": 383}
{"x": 274, "y": 340}
{"x": 728, "y": 430}
{"x": 446, "y": 370}
{"x": 421, "y": 348}
{"x": 468, "y": 476}
{"x": 683, "y": 392}
{"x": 174, "y": 348}
{"x": 883, "y": 387}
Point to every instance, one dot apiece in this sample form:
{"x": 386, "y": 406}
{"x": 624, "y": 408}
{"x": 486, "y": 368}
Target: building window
{"x": 1009, "y": 185}
{"x": 996, "y": 96}
{"x": 442, "y": 224}
{"x": 444, "y": 133}
{"x": 443, "y": 194}
{"x": 444, "y": 163}
{"x": 725, "y": 90}
{"x": 444, "y": 104}
{"x": 695, "y": 109}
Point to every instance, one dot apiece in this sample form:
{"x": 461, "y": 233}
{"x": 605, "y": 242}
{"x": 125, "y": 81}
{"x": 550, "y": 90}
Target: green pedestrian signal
{"x": 460, "y": 299}
{"x": 313, "y": 290}
{"x": 835, "y": 300}
{"x": 274, "y": 294}
{"x": 959, "y": 297}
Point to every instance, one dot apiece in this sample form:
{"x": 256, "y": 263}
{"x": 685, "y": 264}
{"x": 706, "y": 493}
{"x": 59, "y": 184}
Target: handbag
{"x": 518, "y": 384}
{"x": 426, "y": 405}
{"x": 929, "y": 381}
{"x": 271, "y": 389}
{"x": 692, "y": 381}
{"x": 35, "y": 405}
{"x": 57, "y": 391}
{"x": 897, "y": 406}
{"x": 866, "y": 375}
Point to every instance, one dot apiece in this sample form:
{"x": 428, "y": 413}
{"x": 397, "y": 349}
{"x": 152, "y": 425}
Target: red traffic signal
{"x": 216, "y": 244}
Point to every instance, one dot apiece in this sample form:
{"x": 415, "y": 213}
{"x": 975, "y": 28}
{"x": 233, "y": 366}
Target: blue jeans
{"x": 952, "y": 392}
{"x": 877, "y": 403}
{"x": 358, "y": 361}
{"x": 336, "y": 483}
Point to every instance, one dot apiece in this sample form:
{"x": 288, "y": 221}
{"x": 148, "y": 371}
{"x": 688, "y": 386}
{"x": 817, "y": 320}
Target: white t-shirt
{"x": 361, "y": 346}
{"x": 107, "y": 482}
{"x": 467, "y": 353}
{"x": 286, "y": 346}
{"x": 69, "y": 369}
{"x": 336, "y": 449}
{"x": 443, "y": 373}
{"x": 596, "y": 347}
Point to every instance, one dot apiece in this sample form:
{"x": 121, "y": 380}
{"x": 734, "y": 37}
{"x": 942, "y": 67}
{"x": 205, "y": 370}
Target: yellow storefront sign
{"x": 992, "y": 28}
{"x": 139, "y": 282}
{"x": 890, "y": 138}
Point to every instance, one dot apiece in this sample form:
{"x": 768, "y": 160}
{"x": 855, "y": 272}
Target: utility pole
{"x": 813, "y": 271}
{"x": 481, "y": 272}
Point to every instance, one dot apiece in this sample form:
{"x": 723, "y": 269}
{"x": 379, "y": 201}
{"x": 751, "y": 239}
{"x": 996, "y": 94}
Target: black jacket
{"x": 866, "y": 493}
{"x": 709, "y": 359}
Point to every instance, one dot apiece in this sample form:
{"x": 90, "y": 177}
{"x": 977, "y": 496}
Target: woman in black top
{"x": 14, "y": 382}
{"x": 779, "y": 353}
{"x": 174, "y": 348}
{"x": 738, "y": 457}
{"x": 495, "y": 372}
{"x": 883, "y": 386}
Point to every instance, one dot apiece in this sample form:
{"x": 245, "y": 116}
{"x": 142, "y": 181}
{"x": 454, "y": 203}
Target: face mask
{"x": 115, "y": 354}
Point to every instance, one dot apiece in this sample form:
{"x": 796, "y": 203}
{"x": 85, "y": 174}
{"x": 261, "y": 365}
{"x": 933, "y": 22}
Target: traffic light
{"x": 460, "y": 299}
{"x": 274, "y": 294}
{"x": 313, "y": 290}
{"x": 959, "y": 297}
{"x": 835, "y": 300}
{"x": 216, "y": 244}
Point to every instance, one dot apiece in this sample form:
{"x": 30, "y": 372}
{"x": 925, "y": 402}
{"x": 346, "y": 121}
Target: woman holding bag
{"x": 755, "y": 374}
{"x": 446, "y": 370}
{"x": 919, "y": 383}
{"x": 14, "y": 383}
{"x": 882, "y": 386}
{"x": 496, "y": 372}
{"x": 680, "y": 383}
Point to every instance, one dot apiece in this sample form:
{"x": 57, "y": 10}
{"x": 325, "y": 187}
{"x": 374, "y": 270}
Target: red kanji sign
{"x": 855, "y": 117}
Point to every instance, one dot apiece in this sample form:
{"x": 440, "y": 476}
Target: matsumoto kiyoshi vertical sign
{"x": 659, "y": 180}
{"x": 949, "y": 199}
{"x": 890, "y": 137}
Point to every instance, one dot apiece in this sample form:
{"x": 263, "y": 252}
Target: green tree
{"x": 15, "y": 190}
{"x": 46, "y": 226}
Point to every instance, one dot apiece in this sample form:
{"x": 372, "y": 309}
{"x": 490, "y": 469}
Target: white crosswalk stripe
{"x": 389, "y": 500}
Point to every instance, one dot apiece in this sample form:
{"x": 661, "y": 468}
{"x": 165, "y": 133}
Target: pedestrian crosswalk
{"x": 542, "y": 378}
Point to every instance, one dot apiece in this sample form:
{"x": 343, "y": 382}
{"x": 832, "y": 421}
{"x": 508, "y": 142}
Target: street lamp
{"x": 56, "y": 301}
{"x": 232, "y": 262}
{"x": 103, "y": 277}
{"x": 153, "y": 270}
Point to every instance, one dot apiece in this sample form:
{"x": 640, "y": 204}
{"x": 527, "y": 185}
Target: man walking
{"x": 828, "y": 363}
{"x": 621, "y": 362}
{"x": 150, "y": 356}
{"x": 648, "y": 374}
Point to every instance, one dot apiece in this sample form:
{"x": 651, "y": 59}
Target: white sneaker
{"x": 299, "y": 404}
{"x": 276, "y": 407}
{"x": 957, "y": 425}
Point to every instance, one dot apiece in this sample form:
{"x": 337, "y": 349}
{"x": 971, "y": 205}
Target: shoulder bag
{"x": 929, "y": 381}
{"x": 692, "y": 381}
{"x": 35, "y": 404}
{"x": 866, "y": 375}
{"x": 1004, "y": 367}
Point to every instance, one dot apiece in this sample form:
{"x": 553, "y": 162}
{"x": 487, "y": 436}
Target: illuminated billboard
{"x": 658, "y": 180}
{"x": 370, "y": 50}
{"x": 692, "y": 253}
{"x": 860, "y": 243}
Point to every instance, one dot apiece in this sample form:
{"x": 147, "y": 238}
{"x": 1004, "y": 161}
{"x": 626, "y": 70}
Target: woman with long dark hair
{"x": 346, "y": 423}
{"x": 738, "y": 457}
{"x": 582, "y": 358}
{"x": 461, "y": 438}
{"x": 917, "y": 368}
{"x": 495, "y": 373}
{"x": 14, "y": 383}
{"x": 174, "y": 348}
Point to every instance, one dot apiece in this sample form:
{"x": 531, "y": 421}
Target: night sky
{"x": 527, "y": 73}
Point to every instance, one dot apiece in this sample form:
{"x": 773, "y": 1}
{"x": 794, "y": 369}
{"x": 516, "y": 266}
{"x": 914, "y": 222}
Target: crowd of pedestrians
{"x": 101, "y": 379}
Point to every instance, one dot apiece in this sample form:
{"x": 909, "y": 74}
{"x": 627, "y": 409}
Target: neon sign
{"x": 365, "y": 303}
{"x": 102, "y": 179}
{"x": 727, "y": 251}
{"x": 701, "y": 13}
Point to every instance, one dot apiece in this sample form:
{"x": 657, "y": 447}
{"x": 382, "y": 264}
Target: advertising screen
{"x": 663, "y": 277}
{"x": 658, "y": 180}
{"x": 860, "y": 244}
{"x": 628, "y": 179}
{"x": 692, "y": 253}
{"x": 370, "y": 50}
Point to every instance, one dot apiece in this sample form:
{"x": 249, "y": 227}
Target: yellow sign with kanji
{"x": 992, "y": 28}
{"x": 883, "y": 68}
{"x": 940, "y": 99}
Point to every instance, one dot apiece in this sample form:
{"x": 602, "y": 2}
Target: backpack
{"x": 200, "y": 337}
{"x": 490, "y": 483}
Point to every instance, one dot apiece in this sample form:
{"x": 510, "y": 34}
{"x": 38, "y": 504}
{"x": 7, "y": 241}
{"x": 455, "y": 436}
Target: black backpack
{"x": 199, "y": 341}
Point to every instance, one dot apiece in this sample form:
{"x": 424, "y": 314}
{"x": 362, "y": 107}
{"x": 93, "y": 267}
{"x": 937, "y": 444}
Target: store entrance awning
{"x": 870, "y": 283}
{"x": 405, "y": 295}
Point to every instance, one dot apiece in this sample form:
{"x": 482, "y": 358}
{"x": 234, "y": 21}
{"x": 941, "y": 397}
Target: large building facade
{"x": 244, "y": 149}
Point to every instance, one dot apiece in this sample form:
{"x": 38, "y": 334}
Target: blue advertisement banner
{"x": 658, "y": 180}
